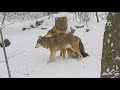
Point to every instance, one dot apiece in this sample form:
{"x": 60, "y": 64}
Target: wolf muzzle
{"x": 48, "y": 35}
{"x": 37, "y": 46}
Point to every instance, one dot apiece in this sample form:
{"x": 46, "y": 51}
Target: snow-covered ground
{"x": 28, "y": 62}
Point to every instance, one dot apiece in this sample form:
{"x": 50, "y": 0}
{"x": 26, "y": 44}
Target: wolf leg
{"x": 77, "y": 50}
{"x": 52, "y": 55}
{"x": 62, "y": 53}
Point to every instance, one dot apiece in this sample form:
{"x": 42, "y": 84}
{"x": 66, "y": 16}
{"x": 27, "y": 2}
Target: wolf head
{"x": 49, "y": 33}
{"x": 38, "y": 42}
{"x": 42, "y": 41}
{"x": 55, "y": 33}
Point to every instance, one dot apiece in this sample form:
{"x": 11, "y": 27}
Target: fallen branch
{"x": 17, "y": 54}
{"x": 79, "y": 26}
{"x": 14, "y": 52}
{"x": 13, "y": 56}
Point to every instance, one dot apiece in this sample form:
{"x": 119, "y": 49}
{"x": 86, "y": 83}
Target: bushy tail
{"x": 82, "y": 49}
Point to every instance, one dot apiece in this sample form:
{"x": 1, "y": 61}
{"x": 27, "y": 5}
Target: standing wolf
{"x": 56, "y": 33}
{"x": 60, "y": 43}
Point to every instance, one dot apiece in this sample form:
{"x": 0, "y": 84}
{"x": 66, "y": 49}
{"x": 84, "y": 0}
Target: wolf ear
{"x": 39, "y": 36}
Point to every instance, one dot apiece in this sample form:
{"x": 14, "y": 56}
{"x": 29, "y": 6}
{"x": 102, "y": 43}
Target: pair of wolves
{"x": 56, "y": 40}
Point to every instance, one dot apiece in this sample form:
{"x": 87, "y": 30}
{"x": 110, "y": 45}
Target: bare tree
{"x": 97, "y": 16}
{"x": 84, "y": 16}
{"x": 22, "y": 16}
{"x": 3, "y": 45}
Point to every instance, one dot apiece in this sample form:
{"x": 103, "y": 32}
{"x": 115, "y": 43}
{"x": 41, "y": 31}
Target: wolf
{"x": 73, "y": 54}
{"x": 56, "y": 33}
{"x": 59, "y": 43}
{"x": 70, "y": 52}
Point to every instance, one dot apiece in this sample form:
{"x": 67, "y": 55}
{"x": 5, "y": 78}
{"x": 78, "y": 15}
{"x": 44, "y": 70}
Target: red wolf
{"x": 54, "y": 44}
{"x": 56, "y": 33}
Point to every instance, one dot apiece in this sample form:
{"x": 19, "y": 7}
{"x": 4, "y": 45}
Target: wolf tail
{"x": 82, "y": 49}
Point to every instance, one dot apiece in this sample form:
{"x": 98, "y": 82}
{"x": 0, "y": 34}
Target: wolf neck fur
{"x": 45, "y": 42}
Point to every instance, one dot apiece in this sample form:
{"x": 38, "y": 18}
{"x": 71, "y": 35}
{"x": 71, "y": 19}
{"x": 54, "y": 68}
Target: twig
{"x": 17, "y": 54}
{"x": 14, "y": 52}
{"x": 14, "y": 56}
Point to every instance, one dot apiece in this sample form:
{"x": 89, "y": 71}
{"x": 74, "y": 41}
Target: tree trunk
{"x": 110, "y": 65}
{"x": 97, "y": 17}
{"x": 61, "y": 23}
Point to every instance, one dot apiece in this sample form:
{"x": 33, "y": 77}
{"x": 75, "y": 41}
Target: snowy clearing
{"x": 28, "y": 62}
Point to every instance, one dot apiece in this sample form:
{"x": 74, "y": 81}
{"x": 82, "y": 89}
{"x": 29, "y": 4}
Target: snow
{"x": 112, "y": 50}
{"x": 112, "y": 44}
{"x": 48, "y": 23}
{"x": 117, "y": 58}
{"x": 108, "y": 40}
{"x": 109, "y": 23}
{"x": 109, "y": 35}
{"x": 58, "y": 15}
{"x": 26, "y": 61}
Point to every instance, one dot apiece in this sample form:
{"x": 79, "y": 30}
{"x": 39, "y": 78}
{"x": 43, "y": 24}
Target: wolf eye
{"x": 44, "y": 40}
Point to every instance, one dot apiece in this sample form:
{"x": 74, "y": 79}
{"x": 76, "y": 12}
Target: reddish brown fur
{"x": 54, "y": 32}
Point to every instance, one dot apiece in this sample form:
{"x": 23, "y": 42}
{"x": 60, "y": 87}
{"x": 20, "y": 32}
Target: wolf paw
{"x": 49, "y": 62}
